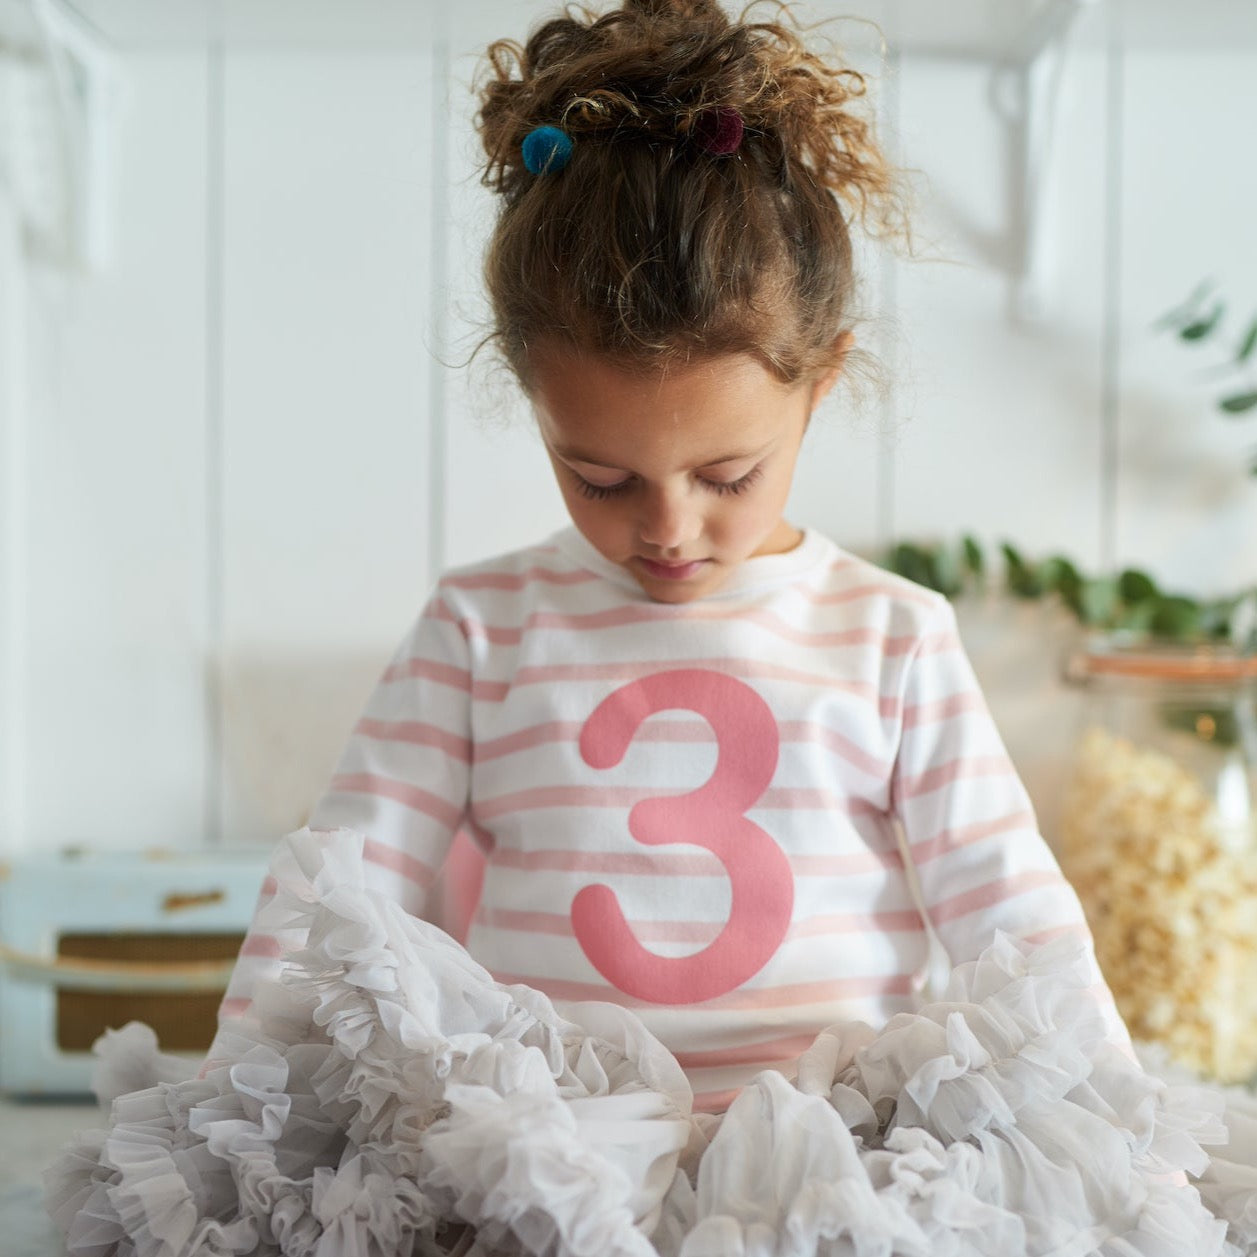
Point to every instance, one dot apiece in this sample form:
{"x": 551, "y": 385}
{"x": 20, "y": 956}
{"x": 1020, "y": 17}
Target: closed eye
{"x": 601, "y": 492}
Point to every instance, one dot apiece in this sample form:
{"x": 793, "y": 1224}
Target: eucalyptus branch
{"x": 1199, "y": 319}
{"x": 1132, "y": 600}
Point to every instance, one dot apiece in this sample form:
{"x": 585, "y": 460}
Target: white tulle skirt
{"x": 391, "y": 1098}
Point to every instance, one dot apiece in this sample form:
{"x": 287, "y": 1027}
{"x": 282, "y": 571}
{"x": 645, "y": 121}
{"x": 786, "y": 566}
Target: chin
{"x": 665, "y": 591}
{"x": 674, "y": 596}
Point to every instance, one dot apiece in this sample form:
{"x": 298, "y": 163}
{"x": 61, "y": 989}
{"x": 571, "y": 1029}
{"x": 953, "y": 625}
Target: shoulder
{"x": 899, "y": 605}
{"x": 543, "y": 563}
{"x": 508, "y": 587}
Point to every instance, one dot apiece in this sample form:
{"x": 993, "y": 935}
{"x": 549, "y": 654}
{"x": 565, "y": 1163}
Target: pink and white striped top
{"x": 696, "y": 810}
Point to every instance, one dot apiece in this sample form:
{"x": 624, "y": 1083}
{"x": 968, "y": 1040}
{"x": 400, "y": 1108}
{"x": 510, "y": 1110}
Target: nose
{"x": 669, "y": 520}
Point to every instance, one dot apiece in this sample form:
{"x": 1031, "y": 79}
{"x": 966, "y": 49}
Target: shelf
{"x": 62, "y": 124}
{"x": 991, "y": 30}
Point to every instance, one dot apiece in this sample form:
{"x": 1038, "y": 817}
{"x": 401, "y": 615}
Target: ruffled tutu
{"x": 390, "y": 1098}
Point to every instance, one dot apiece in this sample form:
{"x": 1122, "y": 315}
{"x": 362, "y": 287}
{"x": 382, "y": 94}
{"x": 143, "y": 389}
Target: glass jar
{"x": 1159, "y": 838}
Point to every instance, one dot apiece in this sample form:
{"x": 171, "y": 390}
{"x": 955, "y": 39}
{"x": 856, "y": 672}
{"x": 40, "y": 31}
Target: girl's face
{"x": 675, "y": 476}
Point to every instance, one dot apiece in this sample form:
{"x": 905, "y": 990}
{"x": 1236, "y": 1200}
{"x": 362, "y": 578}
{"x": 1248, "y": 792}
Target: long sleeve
{"x": 971, "y": 833}
{"x": 402, "y": 782}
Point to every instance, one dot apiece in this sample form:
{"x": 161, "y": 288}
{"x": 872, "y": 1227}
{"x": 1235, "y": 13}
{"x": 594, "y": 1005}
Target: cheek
{"x": 742, "y": 520}
{"x": 598, "y": 521}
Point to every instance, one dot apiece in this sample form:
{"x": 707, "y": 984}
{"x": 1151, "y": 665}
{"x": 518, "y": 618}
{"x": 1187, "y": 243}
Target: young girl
{"x": 685, "y": 730}
{"x": 725, "y": 775}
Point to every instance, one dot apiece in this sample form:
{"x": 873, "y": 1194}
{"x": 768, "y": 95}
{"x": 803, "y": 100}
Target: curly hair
{"x": 647, "y": 249}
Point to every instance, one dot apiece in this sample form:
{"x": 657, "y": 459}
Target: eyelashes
{"x": 601, "y": 493}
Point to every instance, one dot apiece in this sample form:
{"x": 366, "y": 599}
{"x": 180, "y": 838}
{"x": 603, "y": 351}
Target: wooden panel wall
{"x": 250, "y": 444}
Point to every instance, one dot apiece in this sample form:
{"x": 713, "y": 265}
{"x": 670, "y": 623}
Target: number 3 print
{"x": 713, "y": 817}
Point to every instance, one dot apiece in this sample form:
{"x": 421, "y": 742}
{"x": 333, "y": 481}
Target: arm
{"x": 402, "y": 782}
{"x": 970, "y": 832}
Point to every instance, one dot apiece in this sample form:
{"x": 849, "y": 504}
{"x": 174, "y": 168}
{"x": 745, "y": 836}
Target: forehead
{"x": 697, "y": 412}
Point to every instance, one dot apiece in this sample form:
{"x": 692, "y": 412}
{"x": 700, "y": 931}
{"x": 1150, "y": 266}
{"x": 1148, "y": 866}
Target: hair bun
{"x": 675, "y": 8}
{"x": 719, "y": 131}
{"x": 651, "y": 247}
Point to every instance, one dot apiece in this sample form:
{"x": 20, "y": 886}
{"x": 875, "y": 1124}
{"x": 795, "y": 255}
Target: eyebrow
{"x": 564, "y": 451}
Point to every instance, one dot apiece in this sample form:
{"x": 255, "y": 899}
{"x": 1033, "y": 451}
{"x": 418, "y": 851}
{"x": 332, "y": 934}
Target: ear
{"x": 824, "y": 382}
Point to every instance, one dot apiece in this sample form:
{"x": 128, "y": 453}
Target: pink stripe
{"x": 511, "y": 580}
{"x": 408, "y": 866}
{"x": 416, "y": 733}
{"x": 811, "y": 732}
{"x": 784, "y": 798}
{"x": 1058, "y": 931}
{"x": 620, "y": 617}
{"x": 410, "y": 796}
{"x": 788, "y": 996}
{"x": 943, "y": 709}
{"x": 477, "y": 628}
{"x": 564, "y": 796}
{"x": 269, "y": 886}
{"x": 905, "y": 921}
{"x": 715, "y": 1101}
{"x": 958, "y": 769}
{"x": 542, "y": 734}
{"x": 993, "y": 893}
{"x": 426, "y": 670}
{"x": 772, "y": 1052}
{"x": 484, "y": 839}
{"x": 684, "y": 731}
{"x": 236, "y": 1006}
{"x": 856, "y": 863}
{"x": 662, "y": 863}
{"x": 611, "y": 864}
{"x": 858, "y": 592}
{"x": 446, "y": 674}
{"x": 702, "y": 932}
{"x": 560, "y": 925}
{"x": 265, "y": 945}
{"x": 438, "y": 609}
{"x": 938, "y": 643}
{"x": 953, "y": 839}
{"x": 629, "y": 670}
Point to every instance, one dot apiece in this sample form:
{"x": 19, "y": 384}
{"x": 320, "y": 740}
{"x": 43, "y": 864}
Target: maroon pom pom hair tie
{"x": 718, "y": 131}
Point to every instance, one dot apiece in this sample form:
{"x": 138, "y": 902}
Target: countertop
{"x": 31, "y": 1134}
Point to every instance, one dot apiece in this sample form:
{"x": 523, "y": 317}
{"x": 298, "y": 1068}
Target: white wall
{"x": 244, "y": 463}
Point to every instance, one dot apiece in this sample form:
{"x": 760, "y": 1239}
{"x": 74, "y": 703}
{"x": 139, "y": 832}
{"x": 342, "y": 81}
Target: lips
{"x": 672, "y": 571}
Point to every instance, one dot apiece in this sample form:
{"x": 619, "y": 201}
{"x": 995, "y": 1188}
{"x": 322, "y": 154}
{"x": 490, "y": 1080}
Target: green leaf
{"x": 1185, "y": 309}
{"x": 947, "y": 578}
{"x": 913, "y": 563}
{"x": 974, "y": 559}
{"x": 1072, "y": 598}
{"x": 1248, "y": 344}
{"x": 1176, "y": 617}
{"x": 1198, "y": 329}
{"x": 1137, "y": 618}
{"x": 1020, "y": 576}
{"x": 1097, "y": 600}
{"x": 1238, "y": 404}
{"x": 1059, "y": 576}
{"x": 1215, "y": 618}
{"x": 1134, "y": 585}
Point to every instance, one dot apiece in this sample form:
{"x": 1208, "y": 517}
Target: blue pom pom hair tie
{"x": 546, "y": 150}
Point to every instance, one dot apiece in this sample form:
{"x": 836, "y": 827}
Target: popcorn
{"x": 1170, "y": 894}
